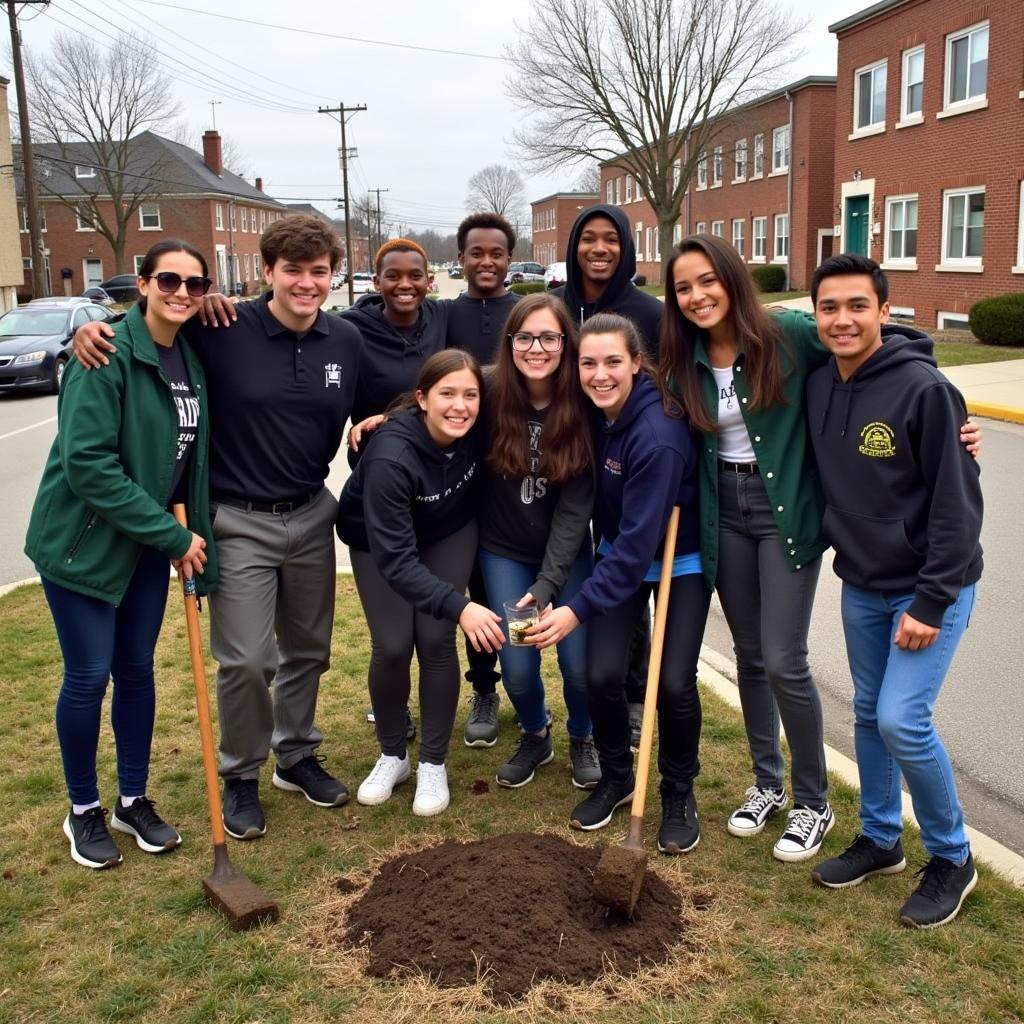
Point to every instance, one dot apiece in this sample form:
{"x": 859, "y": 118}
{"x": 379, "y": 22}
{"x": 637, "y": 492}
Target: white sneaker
{"x": 387, "y": 773}
{"x": 805, "y": 832}
{"x": 431, "y": 790}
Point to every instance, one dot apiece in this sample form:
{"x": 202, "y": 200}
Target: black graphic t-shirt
{"x": 172, "y": 362}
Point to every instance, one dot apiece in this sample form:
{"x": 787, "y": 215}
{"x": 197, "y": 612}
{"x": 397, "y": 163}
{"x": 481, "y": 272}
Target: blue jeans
{"x": 894, "y": 693}
{"x": 99, "y": 640}
{"x": 507, "y": 580}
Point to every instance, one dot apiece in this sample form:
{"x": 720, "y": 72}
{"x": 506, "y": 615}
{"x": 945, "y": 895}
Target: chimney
{"x": 259, "y": 184}
{"x": 211, "y": 152}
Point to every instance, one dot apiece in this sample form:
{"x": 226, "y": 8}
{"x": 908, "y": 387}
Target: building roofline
{"x": 566, "y": 195}
{"x": 866, "y": 14}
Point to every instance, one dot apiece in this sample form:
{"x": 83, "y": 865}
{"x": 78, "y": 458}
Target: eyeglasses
{"x": 169, "y": 282}
{"x": 549, "y": 341}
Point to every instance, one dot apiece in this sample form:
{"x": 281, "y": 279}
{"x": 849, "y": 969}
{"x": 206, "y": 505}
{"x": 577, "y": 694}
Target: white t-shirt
{"x": 733, "y": 440}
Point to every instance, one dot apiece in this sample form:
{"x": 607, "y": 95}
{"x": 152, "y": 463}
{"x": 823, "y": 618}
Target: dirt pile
{"x": 518, "y": 907}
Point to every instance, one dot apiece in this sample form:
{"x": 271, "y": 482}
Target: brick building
{"x": 191, "y": 196}
{"x": 765, "y": 184}
{"x": 552, "y": 219}
{"x": 929, "y": 150}
{"x": 10, "y": 250}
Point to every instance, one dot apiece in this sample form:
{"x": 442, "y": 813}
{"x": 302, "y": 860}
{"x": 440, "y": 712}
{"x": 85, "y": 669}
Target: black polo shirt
{"x": 278, "y": 401}
{"x": 476, "y": 325}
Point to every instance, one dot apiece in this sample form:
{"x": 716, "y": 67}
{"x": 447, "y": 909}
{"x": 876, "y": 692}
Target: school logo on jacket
{"x": 332, "y": 375}
{"x": 878, "y": 441}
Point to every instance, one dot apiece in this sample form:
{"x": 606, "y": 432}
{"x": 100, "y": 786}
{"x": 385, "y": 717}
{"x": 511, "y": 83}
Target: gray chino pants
{"x": 270, "y": 631}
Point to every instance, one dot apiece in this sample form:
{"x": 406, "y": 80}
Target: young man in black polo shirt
{"x": 281, "y": 382}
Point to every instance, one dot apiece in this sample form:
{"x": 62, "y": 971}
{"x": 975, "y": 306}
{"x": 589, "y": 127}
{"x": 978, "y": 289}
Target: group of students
{"x": 549, "y": 475}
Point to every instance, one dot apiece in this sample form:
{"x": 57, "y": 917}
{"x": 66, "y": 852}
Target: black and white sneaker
{"x": 943, "y": 889}
{"x": 860, "y": 860}
{"x": 92, "y": 845}
{"x": 532, "y": 752}
{"x": 680, "y": 829}
{"x": 584, "y": 763}
{"x": 151, "y": 832}
{"x": 597, "y": 810}
{"x": 805, "y": 832}
{"x": 242, "y": 810}
{"x": 760, "y": 804}
{"x": 482, "y": 726}
{"x": 309, "y": 778}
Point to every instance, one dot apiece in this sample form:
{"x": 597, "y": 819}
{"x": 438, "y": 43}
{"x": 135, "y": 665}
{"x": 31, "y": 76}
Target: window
{"x": 967, "y": 65}
{"x": 648, "y": 255}
{"x": 231, "y": 215}
{"x": 629, "y": 188}
{"x": 716, "y": 166}
{"x": 677, "y": 173}
{"x": 26, "y": 263}
{"x": 759, "y": 235}
{"x": 677, "y": 233}
{"x": 780, "y": 149}
{"x": 738, "y": 229}
{"x": 702, "y": 171}
{"x": 901, "y": 230}
{"x": 139, "y": 260}
{"x": 952, "y": 321}
{"x": 718, "y": 228}
{"x": 244, "y": 218}
{"x": 740, "y": 169}
{"x": 912, "y": 91}
{"x": 218, "y": 212}
{"x": 902, "y": 314}
{"x": 149, "y": 217}
{"x": 246, "y": 264}
{"x": 263, "y": 221}
{"x": 869, "y": 97}
{"x": 83, "y": 222}
{"x": 702, "y": 227}
{"x": 638, "y": 241}
{"x": 1019, "y": 268}
{"x": 256, "y": 272}
{"x": 24, "y": 218}
{"x": 781, "y": 237}
{"x": 657, "y": 244}
{"x": 963, "y": 226}
{"x": 252, "y": 220}
{"x": 618, "y": 191}
{"x": 84, "y": 171}
{"x": 758, "y": 156}
{"x": 608, "y": 192}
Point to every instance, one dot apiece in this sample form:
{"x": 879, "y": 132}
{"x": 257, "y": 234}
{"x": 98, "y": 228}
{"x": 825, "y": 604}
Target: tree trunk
{"x": 665, "y": 229}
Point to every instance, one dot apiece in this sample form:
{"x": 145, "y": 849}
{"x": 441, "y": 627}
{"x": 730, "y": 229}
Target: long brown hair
{"x": 566, "y": 431}
{"x": 437, "y": 367}
{"x": 758, "y": 337}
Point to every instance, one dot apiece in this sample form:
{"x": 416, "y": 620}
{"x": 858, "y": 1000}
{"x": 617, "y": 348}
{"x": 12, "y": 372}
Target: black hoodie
{"x": 903, "y": 495}
{"x": 405, "y": 494}
{"x": 620, "y": 294}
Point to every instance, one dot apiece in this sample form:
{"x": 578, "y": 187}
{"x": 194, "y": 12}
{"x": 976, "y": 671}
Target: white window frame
{"x": 677, "y": 173}
{"x": 218, "y": 213}
{"x": 702, "y": 227}
{"x": 263, "y": 221}
{"x": 758, "y": 165}
{"x": 716, "y": 167}
{"x": 138, "y": 261}
{"x": 702, "y": 170}
{"x": 84, "y": 171}
{"x": 252, "y": 220}
{"x": 243, "y": 218}
{"x": 618, "y": 190}
{"x": 879, "y": 70}
{"x": 143, "y": 226}
{"x": 943, "y": 316}
{"x": 951, "y": 107}
{"x": 677, "y": 233}
{"x": 629, "y": 188}
{"x": 1019, "y": 268}
{"x": 232, "y": 219}
{"x": 718, "y": 228}
{"x": 248, "y": 268}
{"x": 903, "y": 314}
{"x": 777, "y": 237}
{"x": 638, "y": 240}
{"x": 648, "y": 252}
{"x": 81, "y": 224}
{"x": 755, "y": 223}
{"x": 24, "y": 219}
{"x": 909, "y": 117}
{"x": 890, "y": 262}
{"x": 26, "y": 263}
{"x": 608, "y": 186}
{"x": 257, "y": 273}
{"x": 968, "y": 264}
{"x": 739, "y": 237}
{"x": 784, "y": 153}
{"x": 657, "y": 243}
{"x": 740, "y": 161}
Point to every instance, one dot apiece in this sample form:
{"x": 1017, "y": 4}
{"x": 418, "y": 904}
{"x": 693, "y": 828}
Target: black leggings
{"x": 396, "y": 628}
{"x": 679, "y": 713}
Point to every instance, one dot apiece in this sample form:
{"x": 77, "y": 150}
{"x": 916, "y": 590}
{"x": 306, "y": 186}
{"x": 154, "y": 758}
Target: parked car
{"x": 454, "y": 271}
{"x": 97, "y": 294}
{"x": 555, "y": 275}
{"x": 362, "y": 282}
{"x": 122, "y": 287}
{"x": 519, "y": 272}
{"x": 338, "y": 278}
{"x": 34, "y": 340}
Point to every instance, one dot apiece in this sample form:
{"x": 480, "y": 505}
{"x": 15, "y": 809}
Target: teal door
{"x": 856, "y": 225}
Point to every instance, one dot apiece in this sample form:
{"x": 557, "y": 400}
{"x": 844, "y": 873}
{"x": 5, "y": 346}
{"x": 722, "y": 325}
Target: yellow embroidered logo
{"x": 877, "y": 441}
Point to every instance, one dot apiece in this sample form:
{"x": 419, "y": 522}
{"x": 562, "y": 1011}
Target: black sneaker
{"x": 759, "y": 805}
{"x": 583, "y": 760}
{"x": 242, "y": 812}
{"x": 482, "y": 726}
{"x": 597, "y": 810}
{"x": 309, "y": 778}
{"x": 680, "y": 829}
{"x": 636, "y": 721}
{"x": 943, "y": 889}
{"x": 151, "y": 832}
{"x": 861, "y": 859}
{"x": 532, "y": 752}
{"x": 805, "y": 832}
{"x": 91, "y": 843}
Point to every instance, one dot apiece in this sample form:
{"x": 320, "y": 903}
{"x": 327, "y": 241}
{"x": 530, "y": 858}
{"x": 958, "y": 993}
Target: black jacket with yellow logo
{"x": 903, "y": 496}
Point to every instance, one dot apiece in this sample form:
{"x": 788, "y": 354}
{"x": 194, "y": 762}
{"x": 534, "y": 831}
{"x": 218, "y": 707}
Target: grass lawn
{"x": 959, "y": 353}
{"x": 138, "y": 943}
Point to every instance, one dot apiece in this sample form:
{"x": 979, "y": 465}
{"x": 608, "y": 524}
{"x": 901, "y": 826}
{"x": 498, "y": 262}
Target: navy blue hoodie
{"x": 903, "y": 495}
{"x": 646, "y": 462}
{"x": 620, "y": 294}
{"x": 405, "y": 494}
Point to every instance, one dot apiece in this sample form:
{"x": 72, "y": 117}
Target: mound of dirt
{"x": 514, "y": 909}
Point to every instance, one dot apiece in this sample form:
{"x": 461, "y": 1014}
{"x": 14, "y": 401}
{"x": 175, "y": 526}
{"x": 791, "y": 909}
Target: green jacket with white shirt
{"x": 107, "y": 480}
{"x": 778, "y": 435}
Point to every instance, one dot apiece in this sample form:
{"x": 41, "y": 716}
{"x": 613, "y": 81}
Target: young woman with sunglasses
{"x": 131, "y": 442}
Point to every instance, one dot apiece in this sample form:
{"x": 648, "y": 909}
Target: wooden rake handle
{"x": 643, "y": 761}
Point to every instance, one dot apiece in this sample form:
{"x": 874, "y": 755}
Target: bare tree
{"x": 590, "y": 179}
{"x": 496, "y": 188}
{"x": 87, "y": 105}
{"x": 646, "y": 83}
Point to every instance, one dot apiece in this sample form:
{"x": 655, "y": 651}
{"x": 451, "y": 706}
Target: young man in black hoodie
{"x": 903, "y": 512}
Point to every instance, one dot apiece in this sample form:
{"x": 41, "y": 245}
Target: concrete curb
{"x": 995, "y": 412}
{"x": 719, "y": 673}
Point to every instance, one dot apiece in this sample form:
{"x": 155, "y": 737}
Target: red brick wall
{"x": 550, "y": 243}
{"x": 980, "y": 147}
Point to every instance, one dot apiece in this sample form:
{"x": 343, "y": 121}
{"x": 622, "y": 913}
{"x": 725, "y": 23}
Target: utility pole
{"x": 214, "y": 104}
{"x": 380, "y": 241}
{"x": 40, "y": 287}
{"x": 342, "y": 111}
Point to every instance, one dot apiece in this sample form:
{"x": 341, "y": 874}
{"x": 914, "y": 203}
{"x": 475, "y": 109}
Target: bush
{"x": 640, "y": 280}
{"x": 999, "y": 320}
{"x": 771, "y": 278}
{"x": 527, "y": 287}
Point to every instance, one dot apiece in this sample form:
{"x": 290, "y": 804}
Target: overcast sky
{"x": 432, "y": 118}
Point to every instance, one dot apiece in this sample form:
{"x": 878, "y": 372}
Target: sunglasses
{"x": 169, "y": 282}
{"x": 522, "y": 341}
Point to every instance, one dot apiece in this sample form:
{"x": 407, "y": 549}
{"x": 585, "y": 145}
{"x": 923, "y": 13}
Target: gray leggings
{"x": 396, "y": 628}
{"x": 768, "y": 608}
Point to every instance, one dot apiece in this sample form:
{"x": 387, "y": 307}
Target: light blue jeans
{"x": 894, "y": 693}
{"x": 507, "y": 580}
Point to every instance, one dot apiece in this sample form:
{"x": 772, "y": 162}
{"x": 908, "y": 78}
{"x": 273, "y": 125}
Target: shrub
{"x": 527, "y": 287}
{"x": 999, "y": 320}
{"x": 640, "y": 280}
{"x": 771, "y": 278}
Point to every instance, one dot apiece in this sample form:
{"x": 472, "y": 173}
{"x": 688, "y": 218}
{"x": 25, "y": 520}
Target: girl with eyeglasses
{"x": 131, "y": 442}
{"x": 535, "y": 547}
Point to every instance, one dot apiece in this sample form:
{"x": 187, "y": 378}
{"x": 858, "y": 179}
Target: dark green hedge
{"x": 527, "y": 287}
{"x": 771, "y": 278}
{"x": 999, "y": 320}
